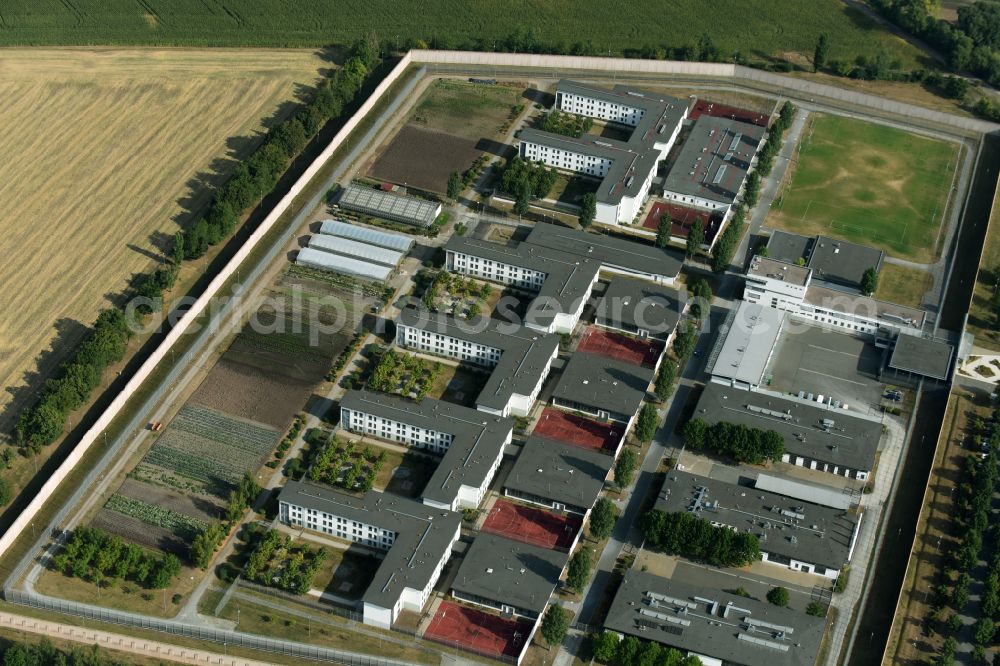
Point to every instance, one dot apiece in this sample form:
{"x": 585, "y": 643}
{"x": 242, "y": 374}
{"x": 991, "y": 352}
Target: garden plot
{"x": 204, "y": 449}
{"x": 139, "y": 532}
{"x": 344, "y": 465}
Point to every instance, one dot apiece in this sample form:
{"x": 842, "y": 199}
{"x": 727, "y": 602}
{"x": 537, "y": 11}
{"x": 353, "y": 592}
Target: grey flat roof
{"x": 526, "y": 352}
{"x": 714, "y": 160}
{"x": 604, "y": 383}
{"x": 509, "y": 572}
{"x": 789, "y": 247}
{"x": 824, "y": 495}
{"x": 856, "y": 304}
{"x": 389, "y": 206}
{"x": 791, "y": 528}
{"x": 611, "y": 251}
{"x": 568, "y": 277}
{"x": 777, "y": 269}
{"x": 851, "y": 443}
{"x": 563, "y": 473}
{"x": 922, "y": 356}
{"x": 478, "y": 441}
{"x": 640, "y": 304}
{"x": 633, "y": 159}
{"x": 714, "y": 623}
{"x": 423, "y": 534}
{"x": 842, "y": 262}
{"x": 748, "y": 337}
{"x": 571, "y": 260}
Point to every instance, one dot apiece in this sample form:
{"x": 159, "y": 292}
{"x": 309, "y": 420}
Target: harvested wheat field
{"x": 105, "y": 151}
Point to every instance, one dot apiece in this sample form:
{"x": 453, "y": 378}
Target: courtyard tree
{"x": 701, "y": 294}
{"x": 454, "y": 185}
{"x": 588, "y": 209}
{"x": 602, "y": 519}
{"x": 664, "y": 386}
{"x": 578, "y": 570}
{"x": 555, "y": 624}
{"x": 696, "y": 237}
{"x": 522, "y": 204}
{"x": 778, "y": 596}
{"x": 663, "y": 230}
{"x": 625, "y": 467}
{"x": 869, "y": 281}
{"x": 645, "y": 427}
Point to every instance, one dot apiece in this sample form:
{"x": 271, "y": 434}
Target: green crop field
{"x": 773, "y": 27}
{"x": 869, "y": 184}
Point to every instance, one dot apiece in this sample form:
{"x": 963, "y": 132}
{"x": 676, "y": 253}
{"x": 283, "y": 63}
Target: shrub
{"x": 778, "y": 596}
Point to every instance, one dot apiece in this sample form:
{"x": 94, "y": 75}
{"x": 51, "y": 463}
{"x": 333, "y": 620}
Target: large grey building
{"x": 831, "y": 260}
{"x": 416, "y": 539}
{"x": 558, "y": 476}
{"x": 640, "y": 308}
{"x": 519, "y": 357}
{"x": 604, "y": 387}
{"x": 509, "y": 576}
{"x": 712, "y": 165}
{"x": 718, "y": 626}
{"x": 816, "y": 436}
{"x": 470, "y": 441}
{"x": 625, "y": 168}
{"x": 793, "y": 533}
{"x": 560, "y": 266}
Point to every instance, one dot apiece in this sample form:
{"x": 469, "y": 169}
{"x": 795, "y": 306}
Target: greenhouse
{"x": 352, "y": 248}
{"x": 396, "y": 242}
{"x": 377, "y": 203}
{"x": 338, "y": 263}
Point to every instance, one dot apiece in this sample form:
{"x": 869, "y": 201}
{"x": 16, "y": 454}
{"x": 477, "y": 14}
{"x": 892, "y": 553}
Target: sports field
{"x": 533, "y": 526}
{"x": 870, "y": 184}
{"x": 103, "y": 152}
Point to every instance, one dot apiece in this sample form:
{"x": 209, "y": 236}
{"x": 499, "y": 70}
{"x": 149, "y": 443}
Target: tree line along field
{"x": 105, "y": 151}
{"x": 870, "y": 184}
{"x": 773, "y": 27}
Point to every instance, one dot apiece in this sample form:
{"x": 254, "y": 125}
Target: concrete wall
{"x": 734, "y": 74}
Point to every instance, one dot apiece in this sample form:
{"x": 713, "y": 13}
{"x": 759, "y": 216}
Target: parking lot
{"x": 831, "y": 364}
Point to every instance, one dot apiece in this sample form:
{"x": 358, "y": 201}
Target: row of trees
{"x": 734, "y": 440}
{"x": 93, "y": 554}
{"x": 46, "y": 654}
{"x": 684, "y": 534}
{"x": 970, "y": 44}
{"x": 204, "y": 545}
{"x": 726, "y": 244}
{"x": 567, "y": 124}
{"x": 608, "y": 648}
{"x": 43, "y": 422}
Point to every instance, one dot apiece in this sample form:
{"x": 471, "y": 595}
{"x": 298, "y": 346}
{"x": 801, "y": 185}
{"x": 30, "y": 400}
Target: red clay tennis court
{"x": 703, "y": 107}
{"x": 621, "y": 347}
{"x": 578, "y": 431}
{"x": 682, "y": 219}
{"x": 529, "y": 525}
{"x": 479, "y": 632}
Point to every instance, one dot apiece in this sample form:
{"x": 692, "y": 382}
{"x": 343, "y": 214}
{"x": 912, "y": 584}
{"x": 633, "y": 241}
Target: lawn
{"x": 869, "y": 184}
{"x": 981, "y": 314}
{"x": 773, "y": 27}
{"x": 903, "y": 285}
{"x": 105, "y": 152}
{"x": 467, "y": 110}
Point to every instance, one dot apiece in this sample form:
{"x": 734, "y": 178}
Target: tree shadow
{"x": 68, "y": 334}
{"x": 144, "y": 252}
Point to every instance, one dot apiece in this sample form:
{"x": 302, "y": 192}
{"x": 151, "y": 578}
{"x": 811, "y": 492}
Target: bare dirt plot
{"x": 137, "y": 531}
{"x": 104, "y": 151}
{"x": 424, "y": 158}
{"x": 246, "y": 391}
